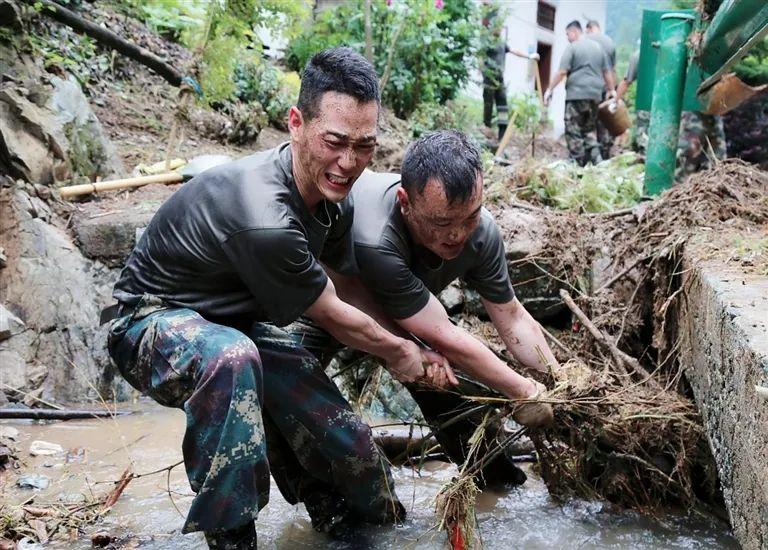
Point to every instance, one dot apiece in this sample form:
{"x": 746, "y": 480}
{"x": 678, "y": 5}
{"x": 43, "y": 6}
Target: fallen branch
{"x": 623, "y": 361}
{"x": 109, "y": 39}
{"x": 122, "y": 483}
{"x": 57, "y": 414}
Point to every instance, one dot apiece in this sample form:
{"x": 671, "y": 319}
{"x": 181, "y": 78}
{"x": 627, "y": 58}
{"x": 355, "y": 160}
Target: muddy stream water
{"x": 145, "y": 516}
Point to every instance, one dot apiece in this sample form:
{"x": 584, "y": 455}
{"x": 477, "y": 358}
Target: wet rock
{"x": 9, "y": 432}
{"x": 473, "y": 304}
{"x": 30, "y": 139}
{"x": 33, "y": 481}
{"x": 28, "y": 544}
{"x": 102, "y": 539}
{"x": 45, "y": 448}
{"x": 90, "y": 152}
{"x": 61, "y": 315}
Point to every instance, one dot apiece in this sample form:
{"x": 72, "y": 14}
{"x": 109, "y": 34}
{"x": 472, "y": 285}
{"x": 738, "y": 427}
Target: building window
{"x": 545, "y": 16}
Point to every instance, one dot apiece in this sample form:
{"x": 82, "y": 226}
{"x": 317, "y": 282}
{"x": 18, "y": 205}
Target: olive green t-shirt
{"x": 400, "y": 274}
{"x": 584, "y": 62}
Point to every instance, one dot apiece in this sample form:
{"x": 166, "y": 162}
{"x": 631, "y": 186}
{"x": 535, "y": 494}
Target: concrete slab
{"x": 723, "y": 326}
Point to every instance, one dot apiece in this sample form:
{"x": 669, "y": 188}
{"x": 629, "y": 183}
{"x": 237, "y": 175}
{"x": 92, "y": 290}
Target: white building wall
{"x": 523, "y": 34}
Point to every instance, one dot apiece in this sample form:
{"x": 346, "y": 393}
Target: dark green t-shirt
{"x": 238, "y": 240}
{"x": 584, "y": 61}
{"x": 400, "y": 274}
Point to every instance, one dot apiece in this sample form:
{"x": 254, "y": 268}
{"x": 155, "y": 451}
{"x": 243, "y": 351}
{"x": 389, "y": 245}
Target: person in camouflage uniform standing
{"x": 231, "y": 257}
{"x": 604, "y": 137}
{"x": 702, "y": 137}
{"x": 588, "y": 73}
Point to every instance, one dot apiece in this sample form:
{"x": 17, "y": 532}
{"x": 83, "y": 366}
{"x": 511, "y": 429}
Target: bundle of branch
{"x": 57, "y": 521}
{"x": 633, "y": 445}
{"x": 624, "y": 431}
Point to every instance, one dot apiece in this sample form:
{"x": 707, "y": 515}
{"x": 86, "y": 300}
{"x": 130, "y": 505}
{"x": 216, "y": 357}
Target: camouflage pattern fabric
{"x": 218, "y": 376}
{"x": 213, "y": 373}
{"x": 581, "y": 131}
{"x": 702, "y": 140}
{"x": 437, "y": 407}
{"x": 316, "y": 429}
{"x": 640, "y": 132}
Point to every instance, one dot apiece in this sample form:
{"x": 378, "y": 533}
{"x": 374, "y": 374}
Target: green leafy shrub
{"x": 275, "y": 90}
{"x": 432, "y": 116}
{"x": 606, "y": 186}
{"x": 421, "y": 49}
{"x": 526, "y": 111}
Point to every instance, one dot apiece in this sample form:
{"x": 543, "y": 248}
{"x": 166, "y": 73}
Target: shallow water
{"x": 523, "y": 517}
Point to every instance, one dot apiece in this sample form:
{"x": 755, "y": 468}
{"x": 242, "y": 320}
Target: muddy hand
{"x": 438, "y": 372}
{"x": 408, "y": 366}
{"x": 534, "y": 413}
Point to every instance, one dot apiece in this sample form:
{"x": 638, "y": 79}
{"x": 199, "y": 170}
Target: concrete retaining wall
{"x": 723, "y": 325}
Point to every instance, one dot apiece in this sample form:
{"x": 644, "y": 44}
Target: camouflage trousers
{"x": 640, "y": 131}
{"x": 581, "y": 131}
{"x": 702, "y": 138}
{"x": 246, "y": 387}
{"x": 438, "y": 408}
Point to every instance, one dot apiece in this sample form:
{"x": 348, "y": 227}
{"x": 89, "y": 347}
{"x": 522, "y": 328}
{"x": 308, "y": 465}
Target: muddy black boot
{"x": 241, "y": 538}
{"x": 328, "y": 512}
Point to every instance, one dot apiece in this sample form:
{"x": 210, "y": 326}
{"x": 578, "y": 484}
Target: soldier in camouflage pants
{"x": 581, "y": 131}
{"x": 217, "y": 374}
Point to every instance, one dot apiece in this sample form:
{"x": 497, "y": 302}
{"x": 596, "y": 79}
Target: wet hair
{"x": 574, "y": 25}
{"x": 448, "y": 156}
{"x": 593, "y": 24}
{"x": 341, "y": 70}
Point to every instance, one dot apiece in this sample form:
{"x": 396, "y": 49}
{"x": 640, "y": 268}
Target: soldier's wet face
{"x": 441, "y": 226}
{"x": 333, "y": 148}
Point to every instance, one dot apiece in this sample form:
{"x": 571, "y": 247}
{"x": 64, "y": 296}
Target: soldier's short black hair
{"x": 593, "y": 24}
{"x": 341, "y": 70}
{"x": 574, "y": 25}
{"x": 450, "y": 157}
